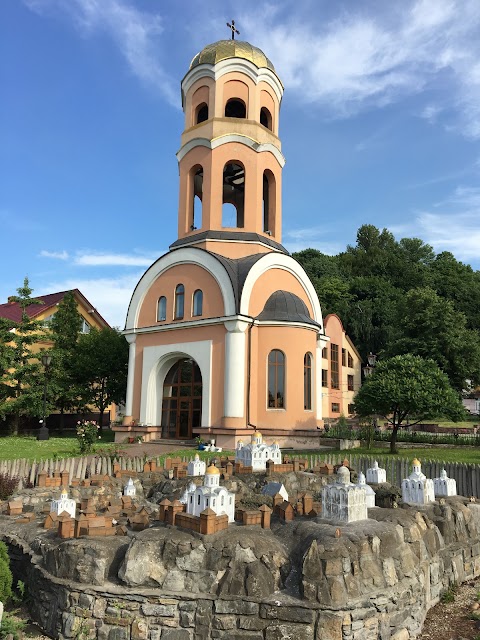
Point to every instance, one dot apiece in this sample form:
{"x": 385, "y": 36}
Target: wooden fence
{"x": 466, "y": 475}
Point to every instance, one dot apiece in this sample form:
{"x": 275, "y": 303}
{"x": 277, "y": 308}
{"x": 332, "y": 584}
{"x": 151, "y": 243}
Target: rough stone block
{"x": 224, "y": 622}
{"x": 236, "y": 606}
{"x": 175, "y": 634}
{"x": 289, "y": 614}
{"x": 402, "y": 634}
{"x": 159, "y": 610}
{"x": 329, "y": 626}
{"x": 285, "y": 631}
{"x": 252, "y": 623}
{"x": 118, "y": 633}
{"x": 85, "y": 601}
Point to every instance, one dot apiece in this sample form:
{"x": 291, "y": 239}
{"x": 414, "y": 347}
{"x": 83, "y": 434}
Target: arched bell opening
{"x": 235, "y": 108}
{"x": 196, "y": 191}
{"x": 266, "y": 118}
{"x": 233, "y": 200}
{"x": 182, "y": 400}
{"x": 201, "y": 113}
{"x": 269, "y": 202}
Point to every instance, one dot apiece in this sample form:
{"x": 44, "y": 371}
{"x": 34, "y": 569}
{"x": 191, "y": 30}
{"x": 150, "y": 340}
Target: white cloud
{"x": 56, "y": 255}
{"x": 358, "y": 61}
{"x": 98, "y": 259}
{"x": 311, "y": 238}
{"x": 136, "y": 34}
{"x": 430, "y": 113}
{"x": 110, "y": 296}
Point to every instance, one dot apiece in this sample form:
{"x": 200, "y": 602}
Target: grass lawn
{"x": 13, "y": 447}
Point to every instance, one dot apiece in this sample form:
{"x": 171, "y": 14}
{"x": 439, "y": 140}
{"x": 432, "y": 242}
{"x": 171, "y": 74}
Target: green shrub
{"x": 87, "y": 435}
{"x": 6, "y": 578}
{"x": 11, "y": 626}
{"x": 8, "y": 485}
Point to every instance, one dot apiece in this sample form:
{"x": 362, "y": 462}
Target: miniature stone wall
{"x": 376, "y": 579}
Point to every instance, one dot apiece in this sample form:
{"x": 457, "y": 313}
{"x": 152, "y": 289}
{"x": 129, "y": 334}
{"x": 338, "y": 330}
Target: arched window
{"x": 235, "y": 108}
{"x": 268, "y": 202}
{"x": 162, "y": 309}
{"x": 266, "y": 118}
{"x": 197, "y": 198}
{"x": 179, "y": 301}
{"x": 233, "y": 202}
{"x": 276, "y": 379}
{"x": 201, "y": 113}
{"x": 197, "y": 303}
{"x": 307, "y": 382}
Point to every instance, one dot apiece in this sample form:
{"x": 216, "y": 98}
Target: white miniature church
{"x": 129, "y": 489}
{"x": 370, "y": 493}
{"x": 417, "y": 488}
{"x": 445, "y": 486}
{"x": 64, "y": 503}
{"x": 196, "y": 467}
{"x": 210, "y": 495}
{"x": 257, "y": 453}
{"x": 376, "y": 474}
{"x": 344, "y": 501}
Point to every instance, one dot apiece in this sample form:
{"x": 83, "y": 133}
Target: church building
{"x": 225, "y": 330}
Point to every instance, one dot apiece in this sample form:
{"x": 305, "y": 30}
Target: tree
{"x": 410, "y": 386}
{"x": 101, "y": 368}
{"x": 65, "y": 329}
{"x": 21, "y": 379}
{"x": 430, "y": 327}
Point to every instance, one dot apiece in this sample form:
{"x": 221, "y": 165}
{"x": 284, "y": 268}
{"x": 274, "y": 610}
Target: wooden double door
{"x": 182, "y": 400}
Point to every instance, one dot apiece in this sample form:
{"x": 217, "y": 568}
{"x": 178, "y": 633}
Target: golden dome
{"x": 416, "y": 462}
{"x": 224, "y": 49}
{"x": 257, "y": 434}
{"x": 212, "y": 471}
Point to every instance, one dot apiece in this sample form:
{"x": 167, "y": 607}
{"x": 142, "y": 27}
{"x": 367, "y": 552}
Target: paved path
{"x": 153, "y": 449}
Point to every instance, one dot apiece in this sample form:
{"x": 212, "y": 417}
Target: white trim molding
{"x": 259, "y": 147}
{"x": 185, "y": 255}
{"x": 156, "y": 364}
{"x": 281, "y": 261}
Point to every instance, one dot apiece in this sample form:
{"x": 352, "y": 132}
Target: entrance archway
{"x": 182, "y": 400}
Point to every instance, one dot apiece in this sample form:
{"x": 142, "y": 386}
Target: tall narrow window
{"x": 233, "y": 195}
{"x": 344, "y": 357}
{"x": 324, "y": 353}
{"x": 324, "y": 378}
{"x": 307, "y": 382}
{"x": 350, "y": 383}
{"x": 268, "y": 202}
{"x": 350, "y": 361}
{"x": 276, "y": 380}
{"x": 198, "y": 303}
{"x": 235, "y": 108}
{"x": 334, "y": 367}
{"x": 197, "y": 197}
{"x": 179, "y": 301}
{"x": 162, "y": 309}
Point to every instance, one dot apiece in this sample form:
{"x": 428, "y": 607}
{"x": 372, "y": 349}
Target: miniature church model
{"x": 226, "y": 329}
{"x": 444, "y": 486}
{"x": 344, "y": 501}
{"x": 211, "y": 495}
{"x": 417, "y": 488}
{"x": 376, "y": 474}
{"x": 369, "y": 492}
{"x": 129, "y": 489}
{"x": 257, "y": 453}
{"x": 64, "y": 503}
{"x": 196, "y": 467}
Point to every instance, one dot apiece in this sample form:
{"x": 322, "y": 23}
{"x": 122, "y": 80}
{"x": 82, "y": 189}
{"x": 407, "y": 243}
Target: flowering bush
{"x": 87, "y": 434}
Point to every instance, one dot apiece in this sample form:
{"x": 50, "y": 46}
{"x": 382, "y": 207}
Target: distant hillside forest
{"x": 401, "y": 297}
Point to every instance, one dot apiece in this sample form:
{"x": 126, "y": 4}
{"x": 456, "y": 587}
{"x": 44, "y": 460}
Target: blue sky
{"x": 380, "y": 124}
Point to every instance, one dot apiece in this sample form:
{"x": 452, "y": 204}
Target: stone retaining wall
{"x": 71, "y": 610}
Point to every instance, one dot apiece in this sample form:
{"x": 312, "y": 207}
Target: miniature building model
{"x": 376, "y": 474}
{"x": 274, "y": 488}
{"x": 445, "y": 486}
{"x": 228, "y": 303}
{"x": 129, "y": 489}
{"x": 196, "y": 467}
{"x": 257, "y": 453}
{"x": 344, "y": 501}
{"x": 64, "y": 503}
{"x": 368, "y": 489}
{"x": 211, "y": 496}
{"x": 417, "y": 488}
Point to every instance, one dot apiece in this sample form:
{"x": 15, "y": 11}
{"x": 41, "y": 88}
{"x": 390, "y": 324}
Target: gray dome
{"x": 284, "y": 306}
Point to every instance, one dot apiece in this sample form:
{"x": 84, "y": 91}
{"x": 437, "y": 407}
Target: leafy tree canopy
{"x": 408, "y": 386}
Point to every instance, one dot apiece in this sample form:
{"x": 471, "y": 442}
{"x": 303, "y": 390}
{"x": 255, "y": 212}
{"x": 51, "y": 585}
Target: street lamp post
{"x": 367, "y": 371}
{"x": 43, "y": 433}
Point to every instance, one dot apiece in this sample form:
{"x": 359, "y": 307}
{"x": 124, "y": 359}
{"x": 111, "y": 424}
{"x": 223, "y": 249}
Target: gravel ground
{"x": 453, "y": 620}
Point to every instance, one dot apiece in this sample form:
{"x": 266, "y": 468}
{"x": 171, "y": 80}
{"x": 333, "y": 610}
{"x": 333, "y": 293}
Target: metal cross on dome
{"x": 233, "y": 29}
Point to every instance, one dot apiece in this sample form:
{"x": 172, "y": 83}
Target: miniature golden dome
{"x": 416, "y": 462}
{"x": 212, "y": 471}
{"x": 257, "y": 434}
{"x": 224, "y": 49}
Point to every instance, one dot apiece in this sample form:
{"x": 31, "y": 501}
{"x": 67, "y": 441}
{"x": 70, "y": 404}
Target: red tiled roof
{"x": 12, "y": 310}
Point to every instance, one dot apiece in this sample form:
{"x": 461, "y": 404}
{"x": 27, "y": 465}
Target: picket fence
{"x": 466, "y": 475}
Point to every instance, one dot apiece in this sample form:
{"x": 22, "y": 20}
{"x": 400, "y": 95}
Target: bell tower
{"x": 230, "y": 159}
